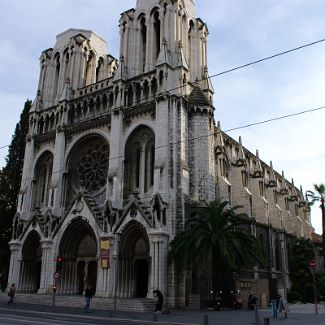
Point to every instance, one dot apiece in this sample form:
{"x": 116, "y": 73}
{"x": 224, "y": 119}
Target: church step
{"x": 132, "y": 304}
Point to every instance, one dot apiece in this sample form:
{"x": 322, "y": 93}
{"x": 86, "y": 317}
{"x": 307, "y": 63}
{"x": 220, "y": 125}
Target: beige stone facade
{"x": 119, "y": 150}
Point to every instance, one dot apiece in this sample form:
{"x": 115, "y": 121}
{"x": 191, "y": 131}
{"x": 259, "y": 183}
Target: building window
{"x": 286, "y": 203}
{"x": 244, "y": 178}
{"x": 251, "y": 205}
{"x": 139, "y": 162}
{"x": 223, "y": 168}
{"x": 229, "y": 195}
{"x": 261, "y": 187}
{"x": 275, "y": 196}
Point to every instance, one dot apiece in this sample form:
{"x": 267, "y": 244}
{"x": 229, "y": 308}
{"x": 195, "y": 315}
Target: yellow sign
{"x": 104, "y": 253}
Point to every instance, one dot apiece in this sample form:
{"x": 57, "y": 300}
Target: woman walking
{"x": 11, "y": 294}
{"x": 88, "y": 297}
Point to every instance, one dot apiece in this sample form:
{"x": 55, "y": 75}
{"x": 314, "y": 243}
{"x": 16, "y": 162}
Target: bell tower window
{"x": 156, "y": 27}
{"x": 143, "y": 43}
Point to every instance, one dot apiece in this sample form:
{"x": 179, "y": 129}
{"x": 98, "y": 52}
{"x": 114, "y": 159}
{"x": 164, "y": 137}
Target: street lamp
{"x": 311, "y": 199}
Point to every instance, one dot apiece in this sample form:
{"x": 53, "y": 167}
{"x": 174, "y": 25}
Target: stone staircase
{"x": 130, "y": 305}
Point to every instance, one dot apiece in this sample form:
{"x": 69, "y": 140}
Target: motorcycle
{"x": 236, "y": 299}
{"x": 252, "y": 301}
{"x": 216, "y": 300}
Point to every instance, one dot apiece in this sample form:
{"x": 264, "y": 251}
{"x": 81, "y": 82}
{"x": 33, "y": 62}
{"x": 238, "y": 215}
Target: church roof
{"x": 197, "y": 97}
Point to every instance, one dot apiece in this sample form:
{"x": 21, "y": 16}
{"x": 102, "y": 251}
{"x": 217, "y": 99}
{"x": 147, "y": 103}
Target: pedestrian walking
{"x": 11, "y": 294}
{"x": 88, "y": 298}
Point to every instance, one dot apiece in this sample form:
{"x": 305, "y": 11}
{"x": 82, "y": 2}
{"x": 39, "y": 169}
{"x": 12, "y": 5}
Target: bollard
{"x": 257, "y": 320}
{"x": 267, "y": 321}
{"x": 154, "y": 317}
{"x": 205, "y": 319}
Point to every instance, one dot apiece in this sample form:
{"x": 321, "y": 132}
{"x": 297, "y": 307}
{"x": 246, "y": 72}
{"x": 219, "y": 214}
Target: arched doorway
{"x": 133, "y": 275}
{"x": 78, "y": 249}
{"x": 31, "y": 263}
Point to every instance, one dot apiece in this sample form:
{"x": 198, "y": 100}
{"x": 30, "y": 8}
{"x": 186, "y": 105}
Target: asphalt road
{"x": 26, "y": 315}
{"x": 18, "y": 317}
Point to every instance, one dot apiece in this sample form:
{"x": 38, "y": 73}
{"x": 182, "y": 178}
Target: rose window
{"x": 92, "y": 166}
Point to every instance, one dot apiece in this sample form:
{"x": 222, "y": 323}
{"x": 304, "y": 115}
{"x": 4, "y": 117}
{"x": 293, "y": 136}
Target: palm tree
{"x": 312, "y": 198}
{"x": 215, "y": 237}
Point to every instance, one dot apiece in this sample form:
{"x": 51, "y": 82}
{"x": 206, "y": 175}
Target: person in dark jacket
{"x": 11, "y": 294}
{"x": 160, "y": 301}
{"x": 88, "y": 297}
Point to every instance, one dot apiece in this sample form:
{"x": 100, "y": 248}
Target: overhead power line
{"x": 213, "y": 133}
{"x": 237, "y": 68}
{"x": 275, "y": 119}
{"x": 266, "y": 58}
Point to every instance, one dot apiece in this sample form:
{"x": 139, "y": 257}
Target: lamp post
{"x": 312, "y": 198}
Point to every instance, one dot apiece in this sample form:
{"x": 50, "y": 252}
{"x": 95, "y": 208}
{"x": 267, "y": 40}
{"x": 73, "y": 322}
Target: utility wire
{"x": 267, "y": 58}
{"x": 241, "y": 67}
{"x": 276, "y": 118}
{"x": 212, "y": 134}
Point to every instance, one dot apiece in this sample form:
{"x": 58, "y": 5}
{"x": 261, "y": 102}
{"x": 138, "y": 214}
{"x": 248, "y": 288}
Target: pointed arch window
{"x": 56, "y": 76}
{"x": 143, "y": 43}
{"x": 139, "y": 162}
{"x": 156, "y": 29}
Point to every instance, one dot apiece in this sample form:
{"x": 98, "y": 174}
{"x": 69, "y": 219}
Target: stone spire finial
{"x": 257, "y": 171}
{"x": 272, "y": 180}
{"x": 163, "y": 57}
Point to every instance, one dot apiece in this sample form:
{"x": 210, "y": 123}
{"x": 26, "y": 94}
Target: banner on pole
{"x": 104, "y": 253}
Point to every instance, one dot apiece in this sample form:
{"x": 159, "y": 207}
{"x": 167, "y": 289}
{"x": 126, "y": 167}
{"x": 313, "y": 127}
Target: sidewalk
{"x": 299, "y": 314}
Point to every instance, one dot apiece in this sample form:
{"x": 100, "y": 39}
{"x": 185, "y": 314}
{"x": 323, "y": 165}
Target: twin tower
{"x": 155, "y": 34}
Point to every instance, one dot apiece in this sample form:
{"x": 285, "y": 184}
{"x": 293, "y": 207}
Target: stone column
{"x": 58, "y": 171}
{"x": 105, "y": 277}
{"x": 26, "y": 180}
{"x": 47, "y": 274}
{"x": 15, "y": 262}
{"x": 158, "y": 252}
{"x": 142, "y": 171}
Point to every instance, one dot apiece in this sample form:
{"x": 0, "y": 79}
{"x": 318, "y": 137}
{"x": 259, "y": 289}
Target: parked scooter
{"x": 252, "y": 301}
{"x": 236, "y": 299}
{"x": 216, "y": 300}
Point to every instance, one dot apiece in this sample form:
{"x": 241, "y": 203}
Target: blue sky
{"x": 240, "y": 32}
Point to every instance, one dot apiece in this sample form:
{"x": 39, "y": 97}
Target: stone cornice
{"x": 82, "y": 126}
{"x": 134, "y": 111}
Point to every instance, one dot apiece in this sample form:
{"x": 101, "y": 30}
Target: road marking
{"x": 22, "y": 319}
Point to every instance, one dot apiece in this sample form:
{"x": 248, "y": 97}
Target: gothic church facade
{"x": 117, "y": 153}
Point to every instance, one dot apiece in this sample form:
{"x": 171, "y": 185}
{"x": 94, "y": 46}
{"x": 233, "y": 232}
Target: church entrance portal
{"x": 31, "y": 263}
{"x": 134, "y": 260}
{"x": 141, "y": 277}
{"x": 78, "y": 249}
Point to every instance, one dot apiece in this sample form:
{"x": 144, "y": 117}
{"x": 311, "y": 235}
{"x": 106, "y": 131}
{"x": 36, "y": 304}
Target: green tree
{"x": 320, "y": 196}
{"x": 215, "y": 238}
{"x": 10, "y": 179}
{"x": 301, "y": 253}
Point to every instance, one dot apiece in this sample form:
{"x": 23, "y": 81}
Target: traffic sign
{"x": 312, "y": 264}
{"x": 56, "y": 275}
